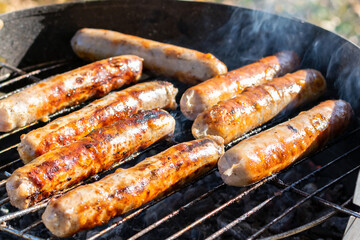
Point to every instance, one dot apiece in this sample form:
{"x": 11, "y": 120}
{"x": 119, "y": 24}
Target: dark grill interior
{"x": 312, "y": 197}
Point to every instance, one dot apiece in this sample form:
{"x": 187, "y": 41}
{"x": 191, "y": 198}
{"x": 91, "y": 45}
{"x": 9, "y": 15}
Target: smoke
{"x": 249, "y": 35}
{"x": 346, "y": 68}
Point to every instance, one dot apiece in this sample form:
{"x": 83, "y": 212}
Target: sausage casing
{"x": 38, "y": 101}
{"x": 185, "y": 64}
{"x": 102, "y": 112}
{"x": 95, "y": 204}
{"x": 94, "y": 153}
{"x": 256, "y": 105}
{"x": 273, "y": 150}
{"x": 223, "y": 87}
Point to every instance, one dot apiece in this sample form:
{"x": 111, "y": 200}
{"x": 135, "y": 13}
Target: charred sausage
{"x": 185, "y": 64}
{"x": 256, "y": 105}
{"x": 223, "y": 87}
{"x": 102, "y": 112}
{"x": 94, "y": 153}
{"x": 95, "y": 204}
{"x": 275, "y": 149}
{"x": 38, "y": 101}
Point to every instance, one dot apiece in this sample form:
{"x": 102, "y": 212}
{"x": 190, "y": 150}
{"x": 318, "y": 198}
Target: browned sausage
{"x": 95, "y": 204}
{"x": 102, "y": 112}
{"x": 38, "y": 101}
{"x": 94, "y": 153}
{"x": 275, "y": 149}
{"x": 185, "y": 64}
{"x": 223, "y": 87}
{"x": 256, "y": 105}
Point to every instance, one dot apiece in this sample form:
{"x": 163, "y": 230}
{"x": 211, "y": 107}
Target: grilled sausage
{"x": 95, "y": 204}
{"x": 256, "y": 105}
{"x": 184, "y": 64}
{"x": 102, "y": 112}
{"x": 38, "y": 101}
{"x": 275, "y": 149}
{"x": 223, "y": 87}
{"x": 94, "y": 153}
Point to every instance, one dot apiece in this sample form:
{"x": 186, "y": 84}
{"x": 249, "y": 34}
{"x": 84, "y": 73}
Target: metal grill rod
{"x": 19, "y": 233}
{"x": 17, "y": 70}
{"x": 319, "y": 199}
{"x": 5, "y": 200}
{"x": 30, "y": 74}
{"x": 23, "y": 212}
{"x": 10, "y": 163}
{"x": 137, "y": 212}
{"x": 16, "y": 130}
{"x": 9, "y": 148}
{"x": 174, "y": 213}
{"x": 302, "y": 201}
{"x": 240, "y": 196}
{"x": 35, "y": 224}
{"x": 306, "y": 226}
{"x": 244, "y": 216}
{"x": 141, "y": 209}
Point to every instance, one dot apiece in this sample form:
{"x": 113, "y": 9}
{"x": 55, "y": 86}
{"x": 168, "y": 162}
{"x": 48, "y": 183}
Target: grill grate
{"x": 10, "y": 217}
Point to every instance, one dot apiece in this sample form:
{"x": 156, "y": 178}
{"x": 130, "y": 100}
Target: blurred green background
{"x": 340, "y": 16}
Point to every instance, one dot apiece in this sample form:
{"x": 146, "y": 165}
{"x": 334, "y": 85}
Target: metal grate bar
{"x": 301, "y": 202}
{"x": 30, "y": 74}
{"x": 23, "y": 212}
{"x": 237, "y": 198}
{"x": 308, "y": 225}
{"x": 16, "y": 130}
{"x": 140, "y": 210}
{"x": 244, "y": 216}
{"x": 19, "y": 233}
{"x": 10, "y": 163}
{"x": 114, "y": 225}
{"x": 9, "y": 148}
{"x": 321, "y": 200}
{"x": 174, "y": 213}
{"x": 18, "y": 71}
{"x": 5, "y": 200}
{"x": 14, "y": 80}
{"x": 12, "y": 68}
{"x": 35, "y": 224}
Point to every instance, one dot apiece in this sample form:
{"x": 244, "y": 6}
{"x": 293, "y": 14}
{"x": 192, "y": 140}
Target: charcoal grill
{"x": 35, "y": 44}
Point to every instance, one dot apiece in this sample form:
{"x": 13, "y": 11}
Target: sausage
{"x": 256, "y": 105}
{"x": 94, "y": 153}
{"x": 223, "y": 87}
{"x": 273, "y": 150}
{"x": 184, "y": 64}
{"x": 102, "y": 112}
{"x": 38, "y": 101}
{"x": 95, "y": 204}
